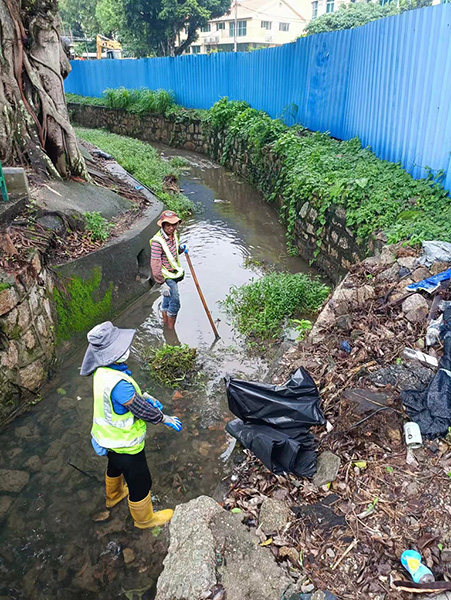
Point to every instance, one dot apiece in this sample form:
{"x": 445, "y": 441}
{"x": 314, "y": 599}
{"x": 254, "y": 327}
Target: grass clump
{"x": 140, "y": 101}
{"x": 169, "y": 365}
{"x": 89, "y": 100}
{"x": 261, "y": 307}
{"x": 97, "y": 226}
{"x": 143, "y": 162}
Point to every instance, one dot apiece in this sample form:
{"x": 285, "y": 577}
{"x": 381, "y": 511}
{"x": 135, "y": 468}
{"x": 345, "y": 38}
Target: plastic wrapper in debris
{"x": 431, "y": 408}
{"x": 435, "y": 251}
{"x": 274, "y": 421}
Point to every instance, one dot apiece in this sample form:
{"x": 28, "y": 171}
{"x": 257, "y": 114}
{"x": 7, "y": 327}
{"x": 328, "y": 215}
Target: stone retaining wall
{"x": 338, "y": 249}
{"x": 27, "y": 334}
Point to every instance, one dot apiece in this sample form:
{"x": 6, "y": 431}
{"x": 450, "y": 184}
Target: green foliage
{"x": 359, "y": 13}
{"x": 97, "y": 226}
{"x": 89, "y": 100}
{"x": 178, "y": 162}
{"x": 151, "y": 26}
{"x": 302, "y": 327}
{"x": 78, "y": 304}
{"x": 79, "y": 17}
{"x": 169, "y": 365}
{"x": 313, "y": 167}
{"x": 261, "y": 307}
{"x": 140, "y": 101}
{"x": 4, "y": 286}
{"x": 143, "y": 162}
{"x": 223, "y": 112}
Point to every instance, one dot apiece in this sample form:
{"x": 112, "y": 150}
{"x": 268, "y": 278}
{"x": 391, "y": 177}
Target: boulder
{"x": 211, "y": 550}
{"x": 327, "y": 468}
{"x": 13, "y": 481}
{"x": 415, "y": 308}
{"x": 5, "y": 503}
{"x": 274, "y": 515}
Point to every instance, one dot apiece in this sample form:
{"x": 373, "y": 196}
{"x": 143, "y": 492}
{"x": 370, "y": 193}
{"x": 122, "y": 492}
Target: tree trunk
{"x": 34, "y": 122}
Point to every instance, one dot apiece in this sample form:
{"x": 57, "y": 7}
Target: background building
{"x": 258, "y": 24}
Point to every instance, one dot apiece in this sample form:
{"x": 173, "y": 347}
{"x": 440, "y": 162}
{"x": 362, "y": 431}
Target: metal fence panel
{"x": 388, "y": 82}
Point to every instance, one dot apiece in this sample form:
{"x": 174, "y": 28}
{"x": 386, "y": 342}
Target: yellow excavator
{"x": 112, "y": 47}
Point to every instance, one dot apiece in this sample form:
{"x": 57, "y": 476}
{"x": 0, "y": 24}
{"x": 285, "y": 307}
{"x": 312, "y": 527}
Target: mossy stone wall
{"x": 338, "y": 249}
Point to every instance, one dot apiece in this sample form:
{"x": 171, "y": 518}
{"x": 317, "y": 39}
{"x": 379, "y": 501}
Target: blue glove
{"x": 184, "y": 248}
{"x": 99, "y": 450}
{"x": 153, "y": 401}
{"x": 173, "y": 422}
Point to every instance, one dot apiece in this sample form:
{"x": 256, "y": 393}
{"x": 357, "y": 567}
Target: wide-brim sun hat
{"x": 168, "y": 216}
{"x": 107, "y": 343}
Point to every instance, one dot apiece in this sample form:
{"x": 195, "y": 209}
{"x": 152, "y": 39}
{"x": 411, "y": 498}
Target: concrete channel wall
{"x": 338, "y": 249}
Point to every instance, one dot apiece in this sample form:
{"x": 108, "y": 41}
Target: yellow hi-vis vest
{"x": 174, "y": 262}
{"x": 125, "y": 433}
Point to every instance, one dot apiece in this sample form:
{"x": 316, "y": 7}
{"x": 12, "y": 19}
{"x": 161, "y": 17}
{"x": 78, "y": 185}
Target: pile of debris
{"x": 371, "y": 497}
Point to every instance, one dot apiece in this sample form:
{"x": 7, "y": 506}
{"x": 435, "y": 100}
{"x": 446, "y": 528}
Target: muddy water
{"x": 50, "y": 545}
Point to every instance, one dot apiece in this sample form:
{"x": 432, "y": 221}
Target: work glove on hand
{"x": 166, "y": 291}
{"x": 153, "y": 401}
{"x": 184, "y": 248}
{"x": 173, "y": 422}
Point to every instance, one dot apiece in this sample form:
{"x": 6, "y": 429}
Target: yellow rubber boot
{"x": 143, "y": 515}
{"x": 116, "y": 490}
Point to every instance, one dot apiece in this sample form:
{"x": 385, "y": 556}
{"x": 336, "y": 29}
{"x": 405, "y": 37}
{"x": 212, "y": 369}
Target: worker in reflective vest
{"x": 118, "y": 431}
{"x": 165, "y": 251}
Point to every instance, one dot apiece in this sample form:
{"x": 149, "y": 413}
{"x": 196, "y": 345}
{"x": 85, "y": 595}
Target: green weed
{"x": 89, "y": 100}
{"x": 377, "y": 195}
{"x": 302, "y": 327}
{"x": 140, "y": 101}
{"x": 97, "y": 226}
{"x": 259, "y": 308}
{"x": 143, "y": 162}
{"x": 169, "y": 365}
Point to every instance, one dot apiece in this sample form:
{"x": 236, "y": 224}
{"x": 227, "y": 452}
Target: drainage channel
{"x": 53, "y": 541}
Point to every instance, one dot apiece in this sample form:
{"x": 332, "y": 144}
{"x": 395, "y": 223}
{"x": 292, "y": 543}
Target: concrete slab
{"x": 67, "y": 196}
{"x": 16, "y": 181}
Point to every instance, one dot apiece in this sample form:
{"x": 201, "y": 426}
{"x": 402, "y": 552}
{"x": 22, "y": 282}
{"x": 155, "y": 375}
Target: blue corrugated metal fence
{"x": 388, "y": 82}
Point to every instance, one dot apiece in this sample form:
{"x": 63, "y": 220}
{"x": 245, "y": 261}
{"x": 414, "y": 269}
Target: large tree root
{"x": 34, "y": 122}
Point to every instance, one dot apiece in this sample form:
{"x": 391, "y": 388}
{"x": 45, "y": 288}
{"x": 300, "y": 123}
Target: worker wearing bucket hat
{"x": 118, "y": 431}
{"x": 165, "y": 264}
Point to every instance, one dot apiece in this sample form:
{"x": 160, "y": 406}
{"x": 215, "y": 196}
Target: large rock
{"x": 13, "y": 481}
{"x": 415, "y": 308}
{"x": 327, "y": 468}
{"x": 5, "y": 503}
{"x": 211, "y": 548}
{"x": 274, "y": 515}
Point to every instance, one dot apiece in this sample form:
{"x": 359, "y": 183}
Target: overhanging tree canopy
{"x": 151, "y": 26}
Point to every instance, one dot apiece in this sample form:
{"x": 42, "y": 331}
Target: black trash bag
{"x": 292, "y": 405}
{"x": 274, "y": 421}
{"x": 431, "y": 408}
{"x": 277, "y": 451}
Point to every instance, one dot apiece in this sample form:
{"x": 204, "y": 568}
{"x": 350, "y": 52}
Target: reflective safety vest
{"x": 125, "y": 433}
{"x": 173, "y": 261}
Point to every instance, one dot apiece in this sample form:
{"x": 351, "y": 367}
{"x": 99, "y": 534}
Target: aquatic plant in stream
{"x": 169, "y": 365}
{"x": 260, "y": 308}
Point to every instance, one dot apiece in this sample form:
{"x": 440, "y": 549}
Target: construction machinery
{"x": 113, "y": 48}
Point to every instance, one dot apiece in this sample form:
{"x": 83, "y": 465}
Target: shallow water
{"x": 50, "y": 547}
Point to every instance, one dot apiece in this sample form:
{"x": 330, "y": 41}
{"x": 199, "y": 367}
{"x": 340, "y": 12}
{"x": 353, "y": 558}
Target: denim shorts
{"x": 171, "y": 303}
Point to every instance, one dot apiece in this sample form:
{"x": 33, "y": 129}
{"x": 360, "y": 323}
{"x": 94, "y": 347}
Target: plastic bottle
{"x": 411, "y": 561}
